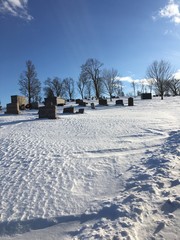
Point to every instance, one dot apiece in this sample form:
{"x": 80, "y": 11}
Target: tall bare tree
{"x": 161, "y": 73}
{"x": 91, "y": 70}
{"x": 69, "y": 87}
{"x": 133, "y": 83}
{"x": 81, "y": 85}
{"x": 174, "y": 86}
{"x": 54, "y": 87}
{"x": 88, "y": 89}
{"x": 150, "y": 83}
{"x": 30, "y": 86}
{"x": 109, "y": 77}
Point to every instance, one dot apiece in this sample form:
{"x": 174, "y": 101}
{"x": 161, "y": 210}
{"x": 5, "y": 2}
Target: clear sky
{"x": 60, "y": 35}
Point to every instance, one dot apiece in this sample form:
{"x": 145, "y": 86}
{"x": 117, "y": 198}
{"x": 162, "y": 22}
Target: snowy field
{"x": 110, "y": 173}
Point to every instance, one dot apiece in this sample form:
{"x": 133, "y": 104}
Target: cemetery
{"x": 51, "y": 105}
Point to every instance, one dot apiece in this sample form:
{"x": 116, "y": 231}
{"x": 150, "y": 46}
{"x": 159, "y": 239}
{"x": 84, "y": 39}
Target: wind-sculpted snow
{"x": 111, "y": 173}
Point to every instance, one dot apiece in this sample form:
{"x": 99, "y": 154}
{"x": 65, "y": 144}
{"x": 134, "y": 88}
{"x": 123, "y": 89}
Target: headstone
{"x": 92, "y": 106}
{"x": 68, "y": 110}
{"x": 18, "y": 99}
{"x": 81, "y": 103}
{"x": 81, "y": 110}
{"x": 78, "y": 101}
{"x": 130, "y": 101}
{"x": 56, "y": 101}
{"x": 119, "y": 102}
{"x": 34, "y": 105}
{"x": 47, "y": 112}
{"x": 146, "y": 96}
{"x": 12, "y": 108}
{"x": 103, "y": 102}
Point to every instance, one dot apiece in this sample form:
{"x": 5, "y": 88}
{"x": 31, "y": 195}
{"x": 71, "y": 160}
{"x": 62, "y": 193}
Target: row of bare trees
{"x": 92, "y": 81}
{"x": 96, "y": 81}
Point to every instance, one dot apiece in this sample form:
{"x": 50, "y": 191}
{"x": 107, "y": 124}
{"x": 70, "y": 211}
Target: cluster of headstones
{"x": 118, "y": 102}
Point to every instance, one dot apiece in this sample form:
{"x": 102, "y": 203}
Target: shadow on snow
{"x": 16, "y": 227}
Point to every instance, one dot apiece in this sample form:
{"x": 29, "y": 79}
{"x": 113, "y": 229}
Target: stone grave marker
{"x": 130, "y": 101}
{"x": 48, "y": 112}
{"x": 68, "y": 110}
{"x": 103, "y": 102}
{"x": 119, "y": 102}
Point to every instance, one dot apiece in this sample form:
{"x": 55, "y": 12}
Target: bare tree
{"x": 161, "y": 73}
{"x": 30, "y": 86}
{"x": 81, "y": 85}
{"x": 119, "y": 88}
{"x": 174, "y": 86}
{"x": 88, "y": 89}
{"x": 109, "y": 80}
{"x": 142, "y": 87}
{"x": 133, "y": 83}
{"x": 69, "y": 87}
{"x": 91, "y": 70}
{"x": 54, "y": 87}
{"x": 150, "y": 83}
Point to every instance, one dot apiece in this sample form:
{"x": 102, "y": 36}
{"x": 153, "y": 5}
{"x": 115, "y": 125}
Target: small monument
{"x": 103, "y": 102}
{"x": 92, "y": 106}
{"x": 68, "y": 110}
{"x": 119, "y": 102}
{"x": 130, "y": 101}
{"x": 56, "y": 101}
{"x": 12, "y": 108}
{"x": 48, "y": 111}
{"x": 146, "y": 96}
{"x": 16, "y": 103}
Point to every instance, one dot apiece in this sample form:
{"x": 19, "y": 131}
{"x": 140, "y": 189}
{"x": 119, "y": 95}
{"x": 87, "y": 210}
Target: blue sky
{"x": 60, "y": 35}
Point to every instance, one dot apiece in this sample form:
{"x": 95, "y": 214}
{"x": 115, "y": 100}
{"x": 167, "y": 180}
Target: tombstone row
{"x": 118, "y": 102}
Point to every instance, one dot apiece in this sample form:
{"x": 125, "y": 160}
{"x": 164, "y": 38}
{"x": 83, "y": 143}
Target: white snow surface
{"x": 110, "y": 173}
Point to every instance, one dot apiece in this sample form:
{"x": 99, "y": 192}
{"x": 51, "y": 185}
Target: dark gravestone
{"x": 34, "y": 105}
{"x": 103, "y": 102}
{"x": 12, "y": 108}
{"x": 56, "y": 101}
{"x": 130, "y": 101}
{"x": 47, "y": 112}
{"x": 146, "y": 96}
{"x": 81, "y": 103}
{"x": 81, "y": 110}
{"x": 92, "y": 106}
{"x": 119, "y": 102}
{"x": 68, "y": 110}
{"x": 78, "y": 101}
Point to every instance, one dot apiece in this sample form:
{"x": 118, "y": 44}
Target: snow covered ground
{"x": 110, "y": 173}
